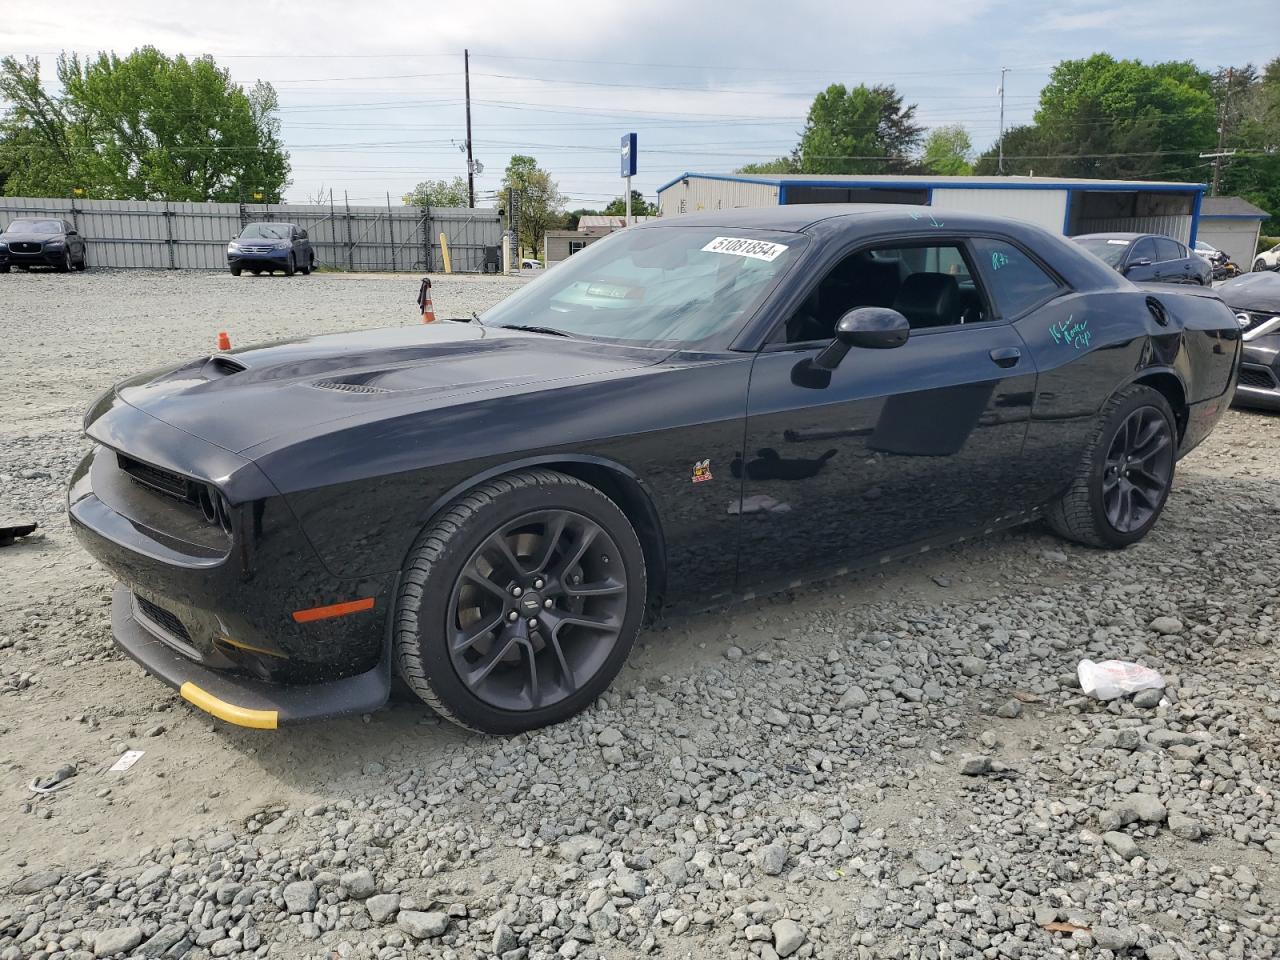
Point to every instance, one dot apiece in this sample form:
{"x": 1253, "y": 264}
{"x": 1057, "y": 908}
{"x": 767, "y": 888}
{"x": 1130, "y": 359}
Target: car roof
{"x": 1112, "y": 236}
{"x": 804, "y": 217}
{"x": 270, "y": 223}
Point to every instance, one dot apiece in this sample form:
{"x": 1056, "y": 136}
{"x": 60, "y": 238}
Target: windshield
{"x": 655, "y": 286}
{"x": 42, "y": 227}
{"x": 1109, "y": 251}
{"x": 265, "y": 231}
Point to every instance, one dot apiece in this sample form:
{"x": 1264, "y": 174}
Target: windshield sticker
{"x": 702, "y": 469}
{"x": 1075, "y": 334}
{"x": 998, "y": 260}
{"x": 744, "y": 247}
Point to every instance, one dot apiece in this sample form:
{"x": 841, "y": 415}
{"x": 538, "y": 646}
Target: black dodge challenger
{"x": 690, "y": 410}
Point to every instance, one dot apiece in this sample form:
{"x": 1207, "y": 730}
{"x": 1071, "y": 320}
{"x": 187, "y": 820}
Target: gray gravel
{"x": 894, "y": 765}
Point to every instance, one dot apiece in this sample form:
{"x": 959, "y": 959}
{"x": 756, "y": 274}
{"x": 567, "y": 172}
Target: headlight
{"x": 53, "y": 244}
{"x": 3, "y": 245}
{"x": 233, "y": 245}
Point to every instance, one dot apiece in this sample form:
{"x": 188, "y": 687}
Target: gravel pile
{"x": 898, "y": 765}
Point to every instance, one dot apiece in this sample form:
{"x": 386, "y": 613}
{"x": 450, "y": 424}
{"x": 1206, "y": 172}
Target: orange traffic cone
{"x": 424, "y": 301}
{"x": 224, "y": 342}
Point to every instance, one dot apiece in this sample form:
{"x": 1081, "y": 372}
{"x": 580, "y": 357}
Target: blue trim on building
{"x": 1066, "y": 214}
{"x": 782, "y": 194}
{"x": 1232, "y": 216}
{"x": 1195, "y": 219}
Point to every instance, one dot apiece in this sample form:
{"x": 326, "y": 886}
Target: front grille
{"x": 165, "y": 481}
{"x": 164, "y": 626}
{"x": 25, "y": 246}
{"x": 256, "y": 250}
{"x": 1258, "y": 377}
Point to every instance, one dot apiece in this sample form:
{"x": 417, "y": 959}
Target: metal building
{"x": 1232, "y": 224}
{"x": 1069, "y": 206}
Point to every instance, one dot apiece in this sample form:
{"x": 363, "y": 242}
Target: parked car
{"x": 267, "y": 247}
{"x": 688, "y": 410}
{"x": 42, "y": 242}
{"x": 528, "y": 263}
{"x": 1255, "y": 298}
{"x": 1147, "y": 257}
{"x": 1267, "y": 260}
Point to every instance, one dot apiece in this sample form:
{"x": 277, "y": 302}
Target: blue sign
{"x": 629, "y": 155}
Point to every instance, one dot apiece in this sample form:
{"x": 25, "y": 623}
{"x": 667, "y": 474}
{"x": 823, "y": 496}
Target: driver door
{"x": 894, "y": 447}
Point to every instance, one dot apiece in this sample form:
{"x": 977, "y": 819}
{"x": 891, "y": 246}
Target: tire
{"x": 311, "y": 265}
{"x": 290, "y": 268}
{"x": 256, "y": 272}
{"x": 529, "y": 676}
{"x": 235, "y": 271}
{"x": 1084, "y": 512}
{"x": 65, "y": 265}
{"x": 4, "y": 269}
{"x": 83, "y": 263}
{"x": 1259, "y": 265}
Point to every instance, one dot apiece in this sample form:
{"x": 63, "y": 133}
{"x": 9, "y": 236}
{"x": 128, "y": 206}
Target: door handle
{"x": 1006, "y": 356}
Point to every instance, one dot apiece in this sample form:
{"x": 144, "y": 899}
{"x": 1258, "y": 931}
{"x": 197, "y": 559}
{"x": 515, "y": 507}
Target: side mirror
{"x": 870, "y": 328}
{"x": 1140, "y": 262}
{"x": 302, "y": 234}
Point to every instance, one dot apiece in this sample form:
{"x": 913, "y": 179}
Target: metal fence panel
{"x": 158, "y": 234}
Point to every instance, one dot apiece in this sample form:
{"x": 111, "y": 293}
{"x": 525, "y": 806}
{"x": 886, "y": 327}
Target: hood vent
{"x": 344, "y": 387}
{"x": 222, "y": 366}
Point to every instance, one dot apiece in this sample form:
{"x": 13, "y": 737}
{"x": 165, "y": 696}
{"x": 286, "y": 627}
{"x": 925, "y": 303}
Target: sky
{"x": 372, "y": 94}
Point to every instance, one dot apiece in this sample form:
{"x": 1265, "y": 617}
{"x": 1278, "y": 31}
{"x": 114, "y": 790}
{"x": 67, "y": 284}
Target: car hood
{"x": 242, "y": 398}
{"x": 1258, "y": 292}
{"x": 30, "y": 237}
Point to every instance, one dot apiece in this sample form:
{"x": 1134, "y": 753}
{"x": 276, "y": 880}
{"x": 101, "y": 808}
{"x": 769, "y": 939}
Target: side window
{"x": 931, "y": 285}
{"x": 1144, "y": 249}
{"x": 1167, "y": 249}
{"x": 1017, "y": 283}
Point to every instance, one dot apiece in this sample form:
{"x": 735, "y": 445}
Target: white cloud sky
{"x": 372, "y": 94}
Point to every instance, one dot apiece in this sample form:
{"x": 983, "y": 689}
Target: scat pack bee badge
{"x": 702, "y": 471}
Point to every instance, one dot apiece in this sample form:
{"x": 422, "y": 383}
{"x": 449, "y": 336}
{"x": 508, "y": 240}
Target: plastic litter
{"x": 56, "y": 781}
{"x": 1117, "y": 678}
{"x": 127, "y": 760}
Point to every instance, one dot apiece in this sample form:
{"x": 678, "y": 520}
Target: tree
{"x": 639, "y": 206}
{"x": 947, "y": 150}
{"x": 141, "y": 127}
{"x": 1024, "y": 150}
{"x": 859, "y": 130}
{"x": 439, "y": 193}
{"x": 540, "y": 199}
{"x": 1249, "y": 104}
{"x": 787, "y": 164}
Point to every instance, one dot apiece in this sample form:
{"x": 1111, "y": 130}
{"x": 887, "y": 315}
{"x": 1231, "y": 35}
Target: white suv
{"x": 1267, "y": 261}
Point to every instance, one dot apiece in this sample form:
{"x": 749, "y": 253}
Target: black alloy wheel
{"x": 1138, "y": 470}
{"x": 520, "y": 602}
{"x": 537, "y": 610}
{"x": 65, "y": 265}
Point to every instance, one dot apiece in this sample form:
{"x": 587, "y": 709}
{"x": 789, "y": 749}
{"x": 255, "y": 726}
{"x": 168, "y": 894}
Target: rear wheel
{"x": 519, "y": 606}
{"x": 83, "y": 262}
{"x": 1123, "y": 482}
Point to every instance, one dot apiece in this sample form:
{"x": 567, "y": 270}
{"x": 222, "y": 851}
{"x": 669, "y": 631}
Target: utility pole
{"x": 1000, "y": 161}
{"x": 471, "y": 166}
{"x": 1222, "y": 133}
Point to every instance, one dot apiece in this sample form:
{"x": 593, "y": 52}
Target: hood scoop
{"x": 220, "y": 366}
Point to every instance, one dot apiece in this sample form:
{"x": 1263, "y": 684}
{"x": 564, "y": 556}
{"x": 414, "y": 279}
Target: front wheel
{"x": 1123, "y": 482}
{"x": 235, "y": 270}
{"x": 520, "y": 604}
{"x": 309, "y": 266}
{"x": 64, "y": 266}
{"x": 290, "y": 268}
{"x": 4, "y": 269}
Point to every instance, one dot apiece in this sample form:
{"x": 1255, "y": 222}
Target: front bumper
{"x": 41, "y": 258}
{"x": 240, "y": 700}
{"x": 275, "y": 259}
{"x": 1260, "y": 373}
{"x": 217, "y": 608}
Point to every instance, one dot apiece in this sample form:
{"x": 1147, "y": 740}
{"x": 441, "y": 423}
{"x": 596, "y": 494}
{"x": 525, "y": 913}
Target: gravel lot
{"x": 896, "y": 764}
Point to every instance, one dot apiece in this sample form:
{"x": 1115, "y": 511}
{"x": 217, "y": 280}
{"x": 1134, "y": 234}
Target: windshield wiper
{"x": 529, "y": 328}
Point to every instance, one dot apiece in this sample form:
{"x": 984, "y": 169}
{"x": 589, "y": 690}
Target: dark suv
{"x": 269, "y": 247}
{"x": 41, "y": 243}
{"x": 1148, "y": 257}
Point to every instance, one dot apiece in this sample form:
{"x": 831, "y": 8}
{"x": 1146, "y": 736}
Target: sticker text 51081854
{"x": 746, "y": 247}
